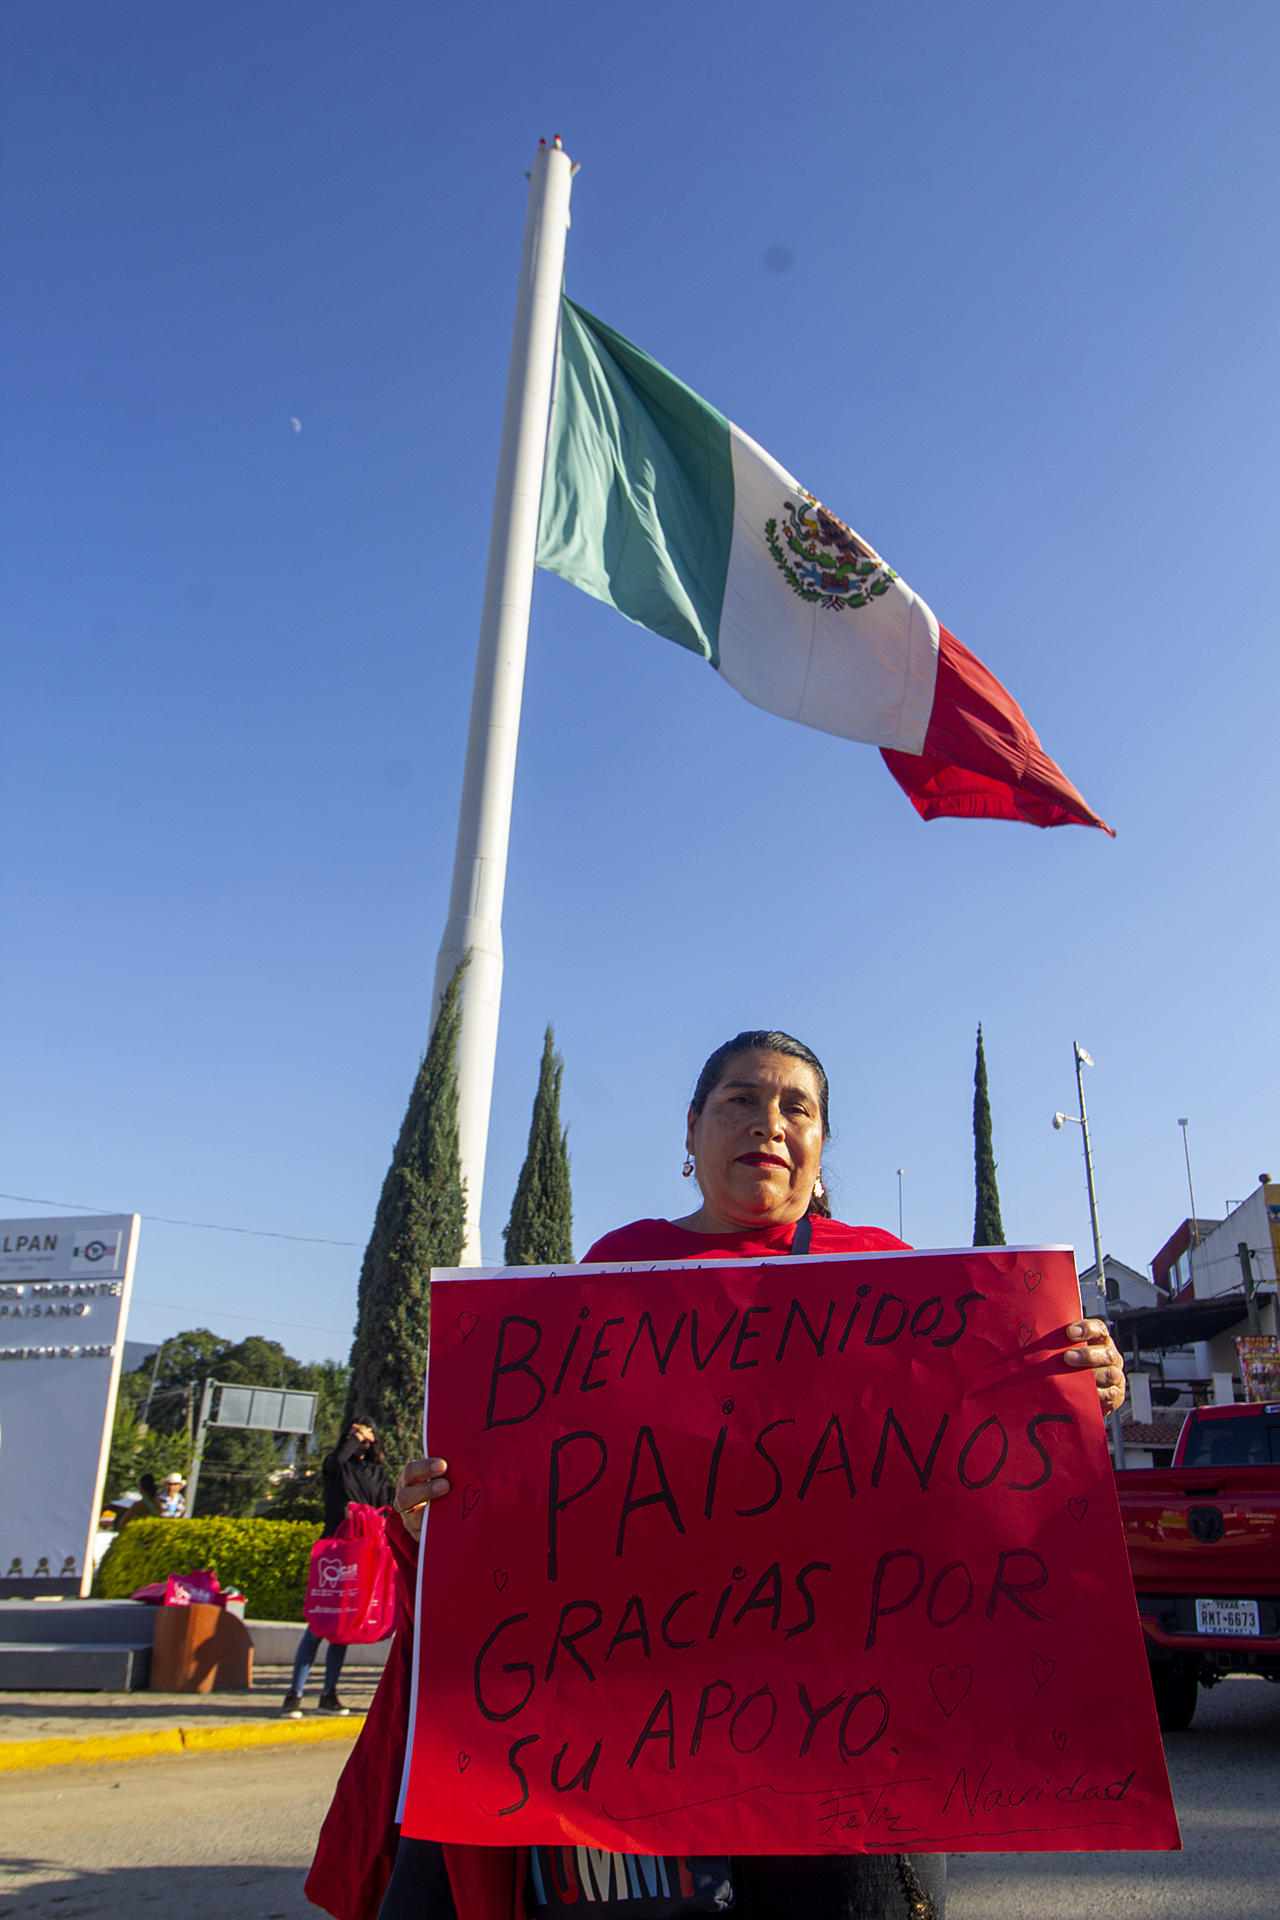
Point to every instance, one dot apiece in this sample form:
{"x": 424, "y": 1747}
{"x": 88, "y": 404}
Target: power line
{"x": 251, "y": 1319}
{"x": 207, "y": 1226}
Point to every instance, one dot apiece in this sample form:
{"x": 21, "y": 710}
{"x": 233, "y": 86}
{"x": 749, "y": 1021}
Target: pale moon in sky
{"x": 295, "y": 423}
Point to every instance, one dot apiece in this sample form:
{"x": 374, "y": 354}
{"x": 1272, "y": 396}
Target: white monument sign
{"x": 64, "y": 1298}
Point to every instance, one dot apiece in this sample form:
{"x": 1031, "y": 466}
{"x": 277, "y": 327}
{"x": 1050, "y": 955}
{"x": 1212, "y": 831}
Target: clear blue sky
{"x": 998, "y": 282}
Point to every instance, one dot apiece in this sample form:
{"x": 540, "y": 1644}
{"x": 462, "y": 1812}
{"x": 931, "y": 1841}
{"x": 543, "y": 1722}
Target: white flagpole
{"x": 484, "y": 820}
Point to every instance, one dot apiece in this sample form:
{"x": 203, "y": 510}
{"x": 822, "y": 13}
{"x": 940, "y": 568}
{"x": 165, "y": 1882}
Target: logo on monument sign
{"x": 96, "y": 1249}
{"x": 824, "y": 560}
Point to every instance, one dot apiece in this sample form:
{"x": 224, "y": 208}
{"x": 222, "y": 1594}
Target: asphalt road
{"x": 218, "y": 1836}
{"x": 211, "y": 1836}
{"x": 1226, "y": 1790}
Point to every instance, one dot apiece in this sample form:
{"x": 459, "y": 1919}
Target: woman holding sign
{"x": 756, "y": 1129}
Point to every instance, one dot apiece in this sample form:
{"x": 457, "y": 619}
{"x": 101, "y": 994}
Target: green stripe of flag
{"x": 637, "y": 503}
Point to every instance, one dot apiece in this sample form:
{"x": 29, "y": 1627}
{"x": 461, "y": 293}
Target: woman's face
{"x": 757, "y": 1144}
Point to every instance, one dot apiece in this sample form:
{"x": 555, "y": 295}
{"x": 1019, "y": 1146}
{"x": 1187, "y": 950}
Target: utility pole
{"x": 1084, "y": 1059}
{"x": 1251, "y": 1301}
{"x": 146, "y": 1405}
{"x": 202, "y": 1424}
{"x": 1195, "y": 1224}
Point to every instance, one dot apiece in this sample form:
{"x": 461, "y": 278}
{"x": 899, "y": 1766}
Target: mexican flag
{"x": 656, "y": 503}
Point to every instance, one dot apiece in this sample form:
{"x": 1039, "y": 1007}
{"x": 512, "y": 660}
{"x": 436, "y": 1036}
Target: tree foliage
{"x": 419, "y": 1224}
{"x": 238, "y": 1463}
{"x": 988, "y": 1229}
{"x": 158, "y": 1406}
{"x": 540, "y": 1230}
{"x": 136, "y": 1449}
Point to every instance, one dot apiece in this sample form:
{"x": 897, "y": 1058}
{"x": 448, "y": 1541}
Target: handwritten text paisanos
{"x": 798, "y": 1557}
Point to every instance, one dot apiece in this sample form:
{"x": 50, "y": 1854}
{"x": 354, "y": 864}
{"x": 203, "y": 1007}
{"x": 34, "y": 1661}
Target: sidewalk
{"x": 83, "y": 1729}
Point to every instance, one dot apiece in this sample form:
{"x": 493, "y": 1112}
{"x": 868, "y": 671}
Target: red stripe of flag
{"x": 982, "y": 759}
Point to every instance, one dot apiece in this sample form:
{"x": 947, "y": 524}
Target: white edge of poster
{"x": 109, "y": 1417}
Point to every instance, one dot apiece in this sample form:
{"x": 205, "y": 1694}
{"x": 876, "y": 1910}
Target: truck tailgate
{"x": 1202, "y": 1530}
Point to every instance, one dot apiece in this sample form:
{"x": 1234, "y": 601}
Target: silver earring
{"x": 819, "y": 1191}
{"x": 687, "y": 1168}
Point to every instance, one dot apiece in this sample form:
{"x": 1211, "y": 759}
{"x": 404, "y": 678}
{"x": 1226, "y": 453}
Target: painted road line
{"x": 19, "y": 1756}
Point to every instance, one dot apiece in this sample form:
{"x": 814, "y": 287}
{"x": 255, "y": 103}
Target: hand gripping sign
{"x": 799, "y": 1557}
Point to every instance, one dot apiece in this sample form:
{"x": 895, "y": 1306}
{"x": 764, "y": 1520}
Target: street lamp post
{"x": 1194, "y": 1241}
{"x": 1081, "y": 1120}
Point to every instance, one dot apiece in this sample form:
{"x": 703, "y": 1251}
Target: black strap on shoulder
{"x": 802, "y": 1236}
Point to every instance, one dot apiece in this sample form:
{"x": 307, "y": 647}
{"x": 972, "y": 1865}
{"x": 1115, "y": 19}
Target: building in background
{"x": 1205, "y": 1264}
{"x": 1179, "y": 1330}
{"x": 1172, "y": 1268}
{"x": 1127, "y": 1289}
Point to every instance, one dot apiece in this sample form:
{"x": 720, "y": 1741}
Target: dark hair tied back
{"x": 758, "y": 1041}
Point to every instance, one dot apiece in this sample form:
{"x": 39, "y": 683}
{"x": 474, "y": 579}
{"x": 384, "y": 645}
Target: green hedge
{"x": 266, "y": 1559}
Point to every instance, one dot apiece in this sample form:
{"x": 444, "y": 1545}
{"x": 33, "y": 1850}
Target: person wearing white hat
{"x": 172, "y": 1499}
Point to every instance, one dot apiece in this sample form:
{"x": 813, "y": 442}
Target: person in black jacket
{"x": 355, "y": 1472}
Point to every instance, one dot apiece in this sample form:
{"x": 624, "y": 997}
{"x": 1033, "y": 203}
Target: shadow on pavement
{"x": 197, "y": 1893}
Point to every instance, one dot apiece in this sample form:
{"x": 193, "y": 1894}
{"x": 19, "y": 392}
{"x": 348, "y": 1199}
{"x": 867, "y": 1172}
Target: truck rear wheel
{"x": 1176, "y": 1689}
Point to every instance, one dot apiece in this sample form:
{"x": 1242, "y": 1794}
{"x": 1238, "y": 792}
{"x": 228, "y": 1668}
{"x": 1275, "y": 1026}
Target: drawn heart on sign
{"x": 1059, "y": 1739}
{"x": 500, "y": 1579}
{"x": 1042, "y": 1671}
{"x": 1077, "y": 1508}
{"x": 1031, "y": 1281}
{"x": 464, "y": 1761}
{"x": 467, "y": 1324}
{"x": 1024, "y": 1334}
{"x": 469, "y": 1497}
{"x": 949, "y": 1686}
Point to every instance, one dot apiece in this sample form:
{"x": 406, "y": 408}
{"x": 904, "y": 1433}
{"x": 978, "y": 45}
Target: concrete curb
{"x": 20, "y": 1756}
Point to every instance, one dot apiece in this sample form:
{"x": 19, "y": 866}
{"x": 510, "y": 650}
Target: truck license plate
{"x": 1227, "y": 1616}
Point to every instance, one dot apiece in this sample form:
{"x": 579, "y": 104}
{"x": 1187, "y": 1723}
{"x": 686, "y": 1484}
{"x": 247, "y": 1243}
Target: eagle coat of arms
{"x": 823, "y": 560}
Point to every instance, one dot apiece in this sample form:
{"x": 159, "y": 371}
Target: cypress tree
{"x": 419, "y": 1224}
{"x": 540, "y": 1230}
{"x": 988, "y": 1229}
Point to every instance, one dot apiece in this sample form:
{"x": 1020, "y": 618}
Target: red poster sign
{"x": 800, "y": 1557}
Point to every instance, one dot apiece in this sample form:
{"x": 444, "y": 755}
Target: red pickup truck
{"x": 1204, "y": 1548}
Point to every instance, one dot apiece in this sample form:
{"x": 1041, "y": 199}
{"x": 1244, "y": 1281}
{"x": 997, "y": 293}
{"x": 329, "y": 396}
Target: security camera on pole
{"x": 1081, "y": 1120}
